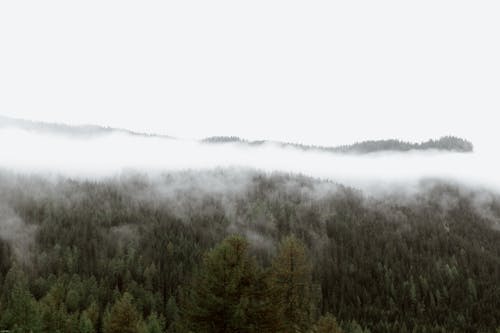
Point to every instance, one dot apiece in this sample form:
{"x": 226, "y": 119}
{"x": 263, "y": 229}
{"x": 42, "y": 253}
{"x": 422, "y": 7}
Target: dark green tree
{"x": 229, "y": 293}
{"x": 123, "y": 317}
{"x": 327, "y": 324}
{"x": 85, "y": 325}
{"x": 54, "y": 314}
{"x": 291, "y": 285}
{"x": 154, "y": 324}
{"x": 19, "y": 311}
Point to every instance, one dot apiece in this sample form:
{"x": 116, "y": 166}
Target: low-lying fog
{"x": 28, "y": 151}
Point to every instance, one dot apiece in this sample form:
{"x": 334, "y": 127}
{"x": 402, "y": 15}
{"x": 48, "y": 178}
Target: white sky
{"x": 322, "y": 72}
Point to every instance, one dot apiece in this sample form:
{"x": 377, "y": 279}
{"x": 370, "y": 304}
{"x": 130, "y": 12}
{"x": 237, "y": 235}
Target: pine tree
{"x": 20, "y": 310}
{"x": 353, "y": 327}
{"x": 85, "y": 325}
{"x": 54, "y": 315}
{"x": 72, "y": 300}
{"x": 291, "y": 285}
{"x": 154, "y": 324}
{"x": 171, "y": 311}
{"x": 92, "y": 313}
{"x": 123, "y": 317}
{"x": 327, "y": 324}
{"x": 228, "y": 294}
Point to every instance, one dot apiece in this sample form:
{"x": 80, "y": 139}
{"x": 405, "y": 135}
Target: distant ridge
{"x": 445, "y": 143}
{"x": 68, "y": 130}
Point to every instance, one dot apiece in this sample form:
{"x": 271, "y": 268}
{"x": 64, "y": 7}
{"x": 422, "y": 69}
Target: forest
{"x": 445, "y": 143}
{"x": 230, "y": 250}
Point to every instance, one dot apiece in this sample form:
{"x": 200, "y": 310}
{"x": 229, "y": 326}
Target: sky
{"x": 321, "y": 72}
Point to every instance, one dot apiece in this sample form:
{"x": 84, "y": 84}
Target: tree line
{"x": 445, "y": 143}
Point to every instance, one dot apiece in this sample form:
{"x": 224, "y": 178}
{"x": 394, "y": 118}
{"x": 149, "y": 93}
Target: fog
{"x": 16, "y": 232}
{"x": 107, "y": 155}
{"x": 188, "y": 178}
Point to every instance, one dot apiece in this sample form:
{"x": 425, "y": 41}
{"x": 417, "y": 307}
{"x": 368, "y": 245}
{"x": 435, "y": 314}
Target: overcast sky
{"x": 322, "y": 72}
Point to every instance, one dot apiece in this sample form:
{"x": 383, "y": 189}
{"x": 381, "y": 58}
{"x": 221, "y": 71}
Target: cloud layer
{"x": 25, "y": 151}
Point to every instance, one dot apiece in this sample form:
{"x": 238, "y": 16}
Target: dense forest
{"x": 244, "y": 251}
{"x": 446, "y": 143}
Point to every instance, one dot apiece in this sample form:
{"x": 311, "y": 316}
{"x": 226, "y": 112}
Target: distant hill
{"x": 68, "y": 130}
{"x": 446, "y": 143}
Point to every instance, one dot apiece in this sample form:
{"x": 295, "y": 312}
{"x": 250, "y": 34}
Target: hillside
{"x": 80, "y": 131}
{"x": 446, "y": 143}
{"x": 422, "y": 262}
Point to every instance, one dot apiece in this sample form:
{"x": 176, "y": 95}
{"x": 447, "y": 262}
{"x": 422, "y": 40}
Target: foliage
{"x": 446, "y": 143}
{"x": 228, "y": 294}
{"x": 154, "y": 249}
{"x": 327, "y": 324}
{"x": 291, "y": 286}
{"x": 123, "y": 317}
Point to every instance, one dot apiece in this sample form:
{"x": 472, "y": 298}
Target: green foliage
{"x": 154, "y": 324}
{"x": 54, "y": 313}
{"x": 327, "y": 324}
{"x": 92, "y": 314}
{"x": 20, "y": 312}
{"x": 123, "y": 317}
{"x": 291, "y": 285}
{"x": 85, "y": 324}
{"x": 354, "y": 327}
{"x": 425, "y": 262}
{"x": 228, "y": 293}
{"x": 448, "y": 143}
{"x": 172, "y": 311}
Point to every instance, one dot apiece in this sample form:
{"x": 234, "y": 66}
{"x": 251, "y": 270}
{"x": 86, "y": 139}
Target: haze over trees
{"x": 241, "y": 251}
{"x": 445, "y": 143}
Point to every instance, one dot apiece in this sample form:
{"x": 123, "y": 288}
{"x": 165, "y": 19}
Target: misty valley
{"x": 109, "y": 230}
{"x": 239, "y": 250}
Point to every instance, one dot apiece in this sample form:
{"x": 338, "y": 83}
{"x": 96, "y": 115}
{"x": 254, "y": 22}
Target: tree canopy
{"x": 134, "y": 254}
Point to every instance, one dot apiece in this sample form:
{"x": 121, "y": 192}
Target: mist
{"x": 106, "y": 155}
{"x": 119, "y": 206}
{"x": 15, "y": 231}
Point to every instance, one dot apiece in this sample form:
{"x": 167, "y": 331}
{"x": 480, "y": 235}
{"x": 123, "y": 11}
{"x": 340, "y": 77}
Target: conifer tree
{"x": 85, "y": 325}
{"x": 229, "y": 293}
{"x": 92, "y": 313}
{"x": 54, "y": 315}
{"x": 20, "y": 311}
{"x": 154, "y": 324}
{"x": 123, "y": 317}
{"x": 171, "y": 311}
{"x": 327, "y": 324}
{"x": 291, "y": 285}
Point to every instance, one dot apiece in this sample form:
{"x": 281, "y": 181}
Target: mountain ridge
{"x": 444, "y": 143}
{"x": 447, "y": 143}
{"x": 70, "y": 130}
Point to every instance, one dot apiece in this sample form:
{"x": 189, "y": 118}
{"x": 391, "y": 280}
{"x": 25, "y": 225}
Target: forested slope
{"x": 80, "y": 256}
{"x": 445, "y": 143}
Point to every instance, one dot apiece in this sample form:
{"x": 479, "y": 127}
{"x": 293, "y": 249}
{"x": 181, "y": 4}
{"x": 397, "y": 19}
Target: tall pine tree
{"x": 291, "y": 286}
{"x": 123, "y": 317}
{"x": 19, "y": 312}
{"x": 229, "y": 293}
